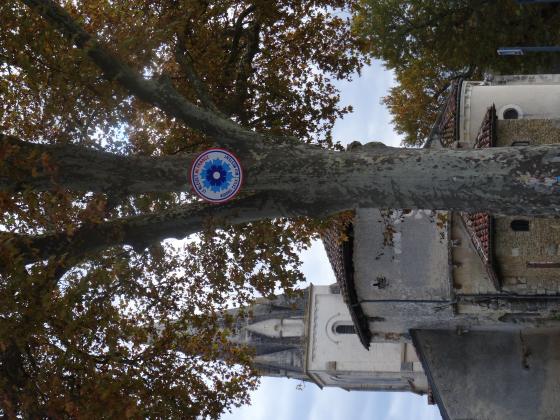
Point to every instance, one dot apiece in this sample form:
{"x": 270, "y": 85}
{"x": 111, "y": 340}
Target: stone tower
{"x": 275, "y": 330}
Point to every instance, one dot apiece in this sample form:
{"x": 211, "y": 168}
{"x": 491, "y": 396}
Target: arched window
{"x": 344, "y": 329}
{"x": 511, "y": 114}
{"x": 520, "y": 225}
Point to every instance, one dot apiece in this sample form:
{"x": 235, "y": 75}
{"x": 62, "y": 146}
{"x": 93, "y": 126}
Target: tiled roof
{"x": 480, "y": 225}
{"x": 340, "y": 254}
{"x": 486, "y": 136}
{"x": 479, "y": 228}
{"x": 333, "y": 246}
{"x": 449, "y": 124}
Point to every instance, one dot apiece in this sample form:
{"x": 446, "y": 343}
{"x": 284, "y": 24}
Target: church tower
{"x": 274, "y": 329}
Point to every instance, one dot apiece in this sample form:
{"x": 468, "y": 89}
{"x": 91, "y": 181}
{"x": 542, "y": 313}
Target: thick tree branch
{"x": 159, "y": 93}
{"x": 296, "y": 182}
{"x": 42, "y": 167}
{"x": 140, "y": 231}
{"x": 503, "y": 180}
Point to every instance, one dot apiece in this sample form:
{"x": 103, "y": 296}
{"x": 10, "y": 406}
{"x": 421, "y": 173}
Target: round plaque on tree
{"x": 216, "y": 175}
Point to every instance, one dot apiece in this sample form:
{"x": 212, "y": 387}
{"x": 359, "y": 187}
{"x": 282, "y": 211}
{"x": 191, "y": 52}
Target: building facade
{"x": 462, "y": 307}
{"x": 312, "y": 338}
{"x": 476, "y": 295}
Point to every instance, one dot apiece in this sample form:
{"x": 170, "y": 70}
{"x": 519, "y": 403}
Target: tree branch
{"x": 186, "y": 63}
{"x": 139, "y": 231}
{"x": 238, "y": 31}
{"x": 244, "y": 72}
{"x": 42, "y": 167}
{"x": 159, "y": 93}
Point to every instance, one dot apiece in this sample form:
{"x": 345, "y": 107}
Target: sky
{"x": 280, "y": 399}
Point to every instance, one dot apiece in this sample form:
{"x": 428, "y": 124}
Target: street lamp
{"x": 524, "y": 50}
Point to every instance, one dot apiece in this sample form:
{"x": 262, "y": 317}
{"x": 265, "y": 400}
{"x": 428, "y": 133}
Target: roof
{"x": 449, "y": 124}
{"x": 480, "y": 226}
{"x": 491, "y": 374}
{"x": 446, "y": 126}
{"x": 340, "y": 254}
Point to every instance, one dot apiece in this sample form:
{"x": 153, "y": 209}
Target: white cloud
{"x": 316, "y": 266}
{"x": 370, "y": 120}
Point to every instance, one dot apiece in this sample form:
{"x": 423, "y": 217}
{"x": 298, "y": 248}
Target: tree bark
{"x": 42, "y": 167}
{"x": 506, "y": 180}
{"x": 300, "y": 181}
{"x": 140, "y": 231}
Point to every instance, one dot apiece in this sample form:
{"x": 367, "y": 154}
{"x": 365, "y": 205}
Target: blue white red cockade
{"x": 216, "y": 175}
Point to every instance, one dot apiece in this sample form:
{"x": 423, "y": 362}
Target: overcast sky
{"x": 279, "y": 399}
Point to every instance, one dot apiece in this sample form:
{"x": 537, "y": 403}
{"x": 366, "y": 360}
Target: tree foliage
{"x": 130, "y": 328}
{"x": 429, "y": 42}
{"x": 104, "y": 107}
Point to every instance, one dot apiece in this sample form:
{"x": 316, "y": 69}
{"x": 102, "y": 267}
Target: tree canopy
{"x": 105, "y": 106}
{"x": 130, "y": 328}
{"x": 427, "y": 43}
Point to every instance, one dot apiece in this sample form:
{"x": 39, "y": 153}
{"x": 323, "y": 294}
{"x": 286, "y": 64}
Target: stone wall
{"x": 533, "y": 131}
{"x": 528, "y": 261}
{"x": 401, "y": 255}
{"x": 492, "y": 375}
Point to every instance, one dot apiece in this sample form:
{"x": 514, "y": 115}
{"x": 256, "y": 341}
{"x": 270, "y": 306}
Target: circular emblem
{"x": 216, "y": 175}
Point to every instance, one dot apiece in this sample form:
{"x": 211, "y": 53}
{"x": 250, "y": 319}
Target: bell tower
{"x": 275, "y": 330}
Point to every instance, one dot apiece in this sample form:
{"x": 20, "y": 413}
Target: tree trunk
{"x": 41, "y": 167}
{"x": 311, "y": 180}
{"x": 289, "y": 181}
{"x": 508, "y": 180}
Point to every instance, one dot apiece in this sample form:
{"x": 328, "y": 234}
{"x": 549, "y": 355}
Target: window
{"x": 520, "y": 143}
{"x": 344, "y": 329}
{"x": 519, "y": 225}
{"x": 511, "y": 114}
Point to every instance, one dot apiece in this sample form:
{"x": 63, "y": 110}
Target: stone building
{"x": 312, "y": 338}
{"x": 462, "y": 307}
{"x": 477, "y": 295}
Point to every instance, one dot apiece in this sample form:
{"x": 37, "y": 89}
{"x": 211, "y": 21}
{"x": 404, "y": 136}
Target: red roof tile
{"x": 480, "y": 225}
